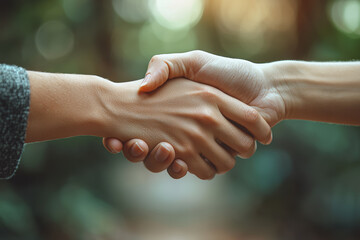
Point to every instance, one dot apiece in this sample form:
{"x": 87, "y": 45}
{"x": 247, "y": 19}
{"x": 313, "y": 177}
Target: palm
{"x": 245, "y": 81}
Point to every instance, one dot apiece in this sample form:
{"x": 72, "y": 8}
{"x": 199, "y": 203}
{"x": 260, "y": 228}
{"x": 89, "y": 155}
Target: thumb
{"x": 167, "y": 66}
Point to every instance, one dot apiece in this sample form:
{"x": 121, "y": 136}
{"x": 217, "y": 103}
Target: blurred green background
{"x": 305, "y": 185}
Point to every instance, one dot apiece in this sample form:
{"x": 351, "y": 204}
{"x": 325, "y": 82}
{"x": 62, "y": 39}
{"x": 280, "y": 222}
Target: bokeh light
{"x": 171, "y": 41}
{"x": 175, "y": 14}
{"x": 345, "y": 14}
{"x": 132, "y": 11}
{"x": 167, "y": 196}
{"x": 337, "y": 202}
{"x": 77, "y": 10}
{"x": 271, "y": 168}
{"x": 254, "y": 23}
{"x": 54, "y": 40}
{"x": 304, "y": 184}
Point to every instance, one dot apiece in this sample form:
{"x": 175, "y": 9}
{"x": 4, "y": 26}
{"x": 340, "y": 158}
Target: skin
{"x": 278, "y": 90}
{"x": 48, "y": 110}
{"x": 327, "y": 92}
{"x": 194, "y": 120}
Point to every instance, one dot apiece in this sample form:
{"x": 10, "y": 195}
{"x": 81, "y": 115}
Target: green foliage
{"x": 305, "y": 185}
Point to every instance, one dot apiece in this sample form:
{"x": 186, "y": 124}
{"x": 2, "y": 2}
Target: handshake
{"x": 202, "y": 124}
{"x": 193, "y": 111}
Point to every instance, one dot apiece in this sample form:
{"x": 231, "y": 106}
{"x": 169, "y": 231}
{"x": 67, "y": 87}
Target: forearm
{"x": 65, "y": 105}
{"x": 328, "y": 92}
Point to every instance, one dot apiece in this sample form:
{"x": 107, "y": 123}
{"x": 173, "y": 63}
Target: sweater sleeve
{"x": 14, "y": 111}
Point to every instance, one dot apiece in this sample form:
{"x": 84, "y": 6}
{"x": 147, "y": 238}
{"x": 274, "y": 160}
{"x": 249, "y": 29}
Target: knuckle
{"x": 129, "y": 157}
{"x": 186, "y": 150}
{"x": 207, "y": 116}
{"x": 197, "y": 52}
{"x": 227, "y": 165}
{"x": 197, "y": 135}
{"x": 247, "y": 155}
{"x": 207, "y": 93}
{"x": 248, "y": 143}
{"x": 250, "y": 152}
{"x": 152, "y": 168}
{"x": 155, "y": 58}
{"x": 175, "y": 175}
{"x": 266, "y": 136}
{"x": 251, "y": 115}
{"x": 206, "y": 175}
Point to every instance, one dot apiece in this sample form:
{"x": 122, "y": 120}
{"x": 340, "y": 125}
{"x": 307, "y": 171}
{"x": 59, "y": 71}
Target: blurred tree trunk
{"x": 309, "y": 17}
{"x": 103, "y": 40}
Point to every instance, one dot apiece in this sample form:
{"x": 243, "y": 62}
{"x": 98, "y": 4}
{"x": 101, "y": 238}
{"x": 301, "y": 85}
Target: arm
{"x": 191, "y": 120}
{"x": 326, "y": 92}
{"x": 66, "y": 105}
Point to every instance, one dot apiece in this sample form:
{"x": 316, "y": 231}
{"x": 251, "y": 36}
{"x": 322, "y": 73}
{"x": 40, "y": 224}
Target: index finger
{"x": 166, "y": 66}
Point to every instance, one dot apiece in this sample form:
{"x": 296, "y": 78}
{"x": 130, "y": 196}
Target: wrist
{"x": 94, "y": 118}
{"x": 118, "y": 109}
{"x": 64, "y": 105}
{"x": 279, "y": 78}
{"x": 327, "y": 92}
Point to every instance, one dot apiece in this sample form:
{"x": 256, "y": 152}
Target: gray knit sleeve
{"x": 14, "y": 111}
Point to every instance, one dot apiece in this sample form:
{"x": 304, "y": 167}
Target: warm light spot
{"x": 345, "y": 15}
{"x": 176, "y": 14}
{"x": 255, "y": 22}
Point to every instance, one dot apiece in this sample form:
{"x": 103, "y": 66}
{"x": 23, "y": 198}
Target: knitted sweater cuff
{"x": 14, "y": 111}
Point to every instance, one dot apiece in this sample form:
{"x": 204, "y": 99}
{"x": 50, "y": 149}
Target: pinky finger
{"x": 178, "y": 169}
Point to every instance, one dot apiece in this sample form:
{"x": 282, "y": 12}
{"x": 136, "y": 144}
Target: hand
{"x": 191, "y": 120}
{"x": 247, "y": 84}
{"x": 59, "y": 111}
{"x": 136, "y": 150}
{"x": 195, "y": 121}
{"x": 241, "y": 79}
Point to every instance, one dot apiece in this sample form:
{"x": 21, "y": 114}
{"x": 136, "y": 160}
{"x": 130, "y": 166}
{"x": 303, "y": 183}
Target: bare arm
{"x": 327, "y": 92}
{"x": 192, "y": 120}
{"x": 64, "y": 105}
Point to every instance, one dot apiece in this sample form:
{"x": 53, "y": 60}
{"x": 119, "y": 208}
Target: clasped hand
{"x": 198, "y": 125}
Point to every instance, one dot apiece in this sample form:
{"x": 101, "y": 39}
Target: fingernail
{"x": 136, "y": 150}
{"x": 146, "y": 80}
{"x": 270, "y": 140}
{"x": 176, "y": 167}
{"x": 111, "y": 150}
{"x": 162, "y": 153}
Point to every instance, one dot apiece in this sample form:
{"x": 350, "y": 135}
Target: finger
{"x": 236, "y": 139}
{"x": 135, "y": 150}
{"x": 113, "y": 145}
{"x": 169, "y": 66}
{"x": 160, "y": 157}
{"x": 178, "y": 169}
{"x": 202, "y": 168}
{"x": 245, "y": 116}
{"x": 231, "y": 151}
{"x": 222, "y": 160}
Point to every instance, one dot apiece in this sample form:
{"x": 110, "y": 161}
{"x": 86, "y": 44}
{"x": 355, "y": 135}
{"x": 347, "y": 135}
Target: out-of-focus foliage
{"x": 303, "y": 186}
